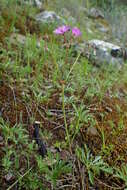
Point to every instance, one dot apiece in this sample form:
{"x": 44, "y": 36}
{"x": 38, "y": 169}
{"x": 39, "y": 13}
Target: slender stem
{"x": 65, "y": 43}
{"x": 65, "y": 120}
{"x": 73, "y": 66}
{"x": 20, "y": 178}
{"x": 76, "y": 130}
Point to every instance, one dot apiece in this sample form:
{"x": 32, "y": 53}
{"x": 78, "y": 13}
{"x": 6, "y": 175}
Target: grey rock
{"x": 79, "y": 48}
{"x": 64, "y": 12}
{"x": 95, "y": 13}
{"x": 72, "y": 20}
{"x": 92, "y": 131}
{"x": 100, "y": 52}
{"x": 102, "y": 28}
{"x": 53, "y": 150}
{"x": 16, "y": 38}
{"x": 8, "y": 177}
{"x": 1, "y": 138}
{"x": 0, "y": 113}
{"x": 49, "y": 17}
{"x": 103, "y": 45}
{"x": 89, "y": 31}
{"x": 38, "y": 3}
{"x": 84, "y": 10}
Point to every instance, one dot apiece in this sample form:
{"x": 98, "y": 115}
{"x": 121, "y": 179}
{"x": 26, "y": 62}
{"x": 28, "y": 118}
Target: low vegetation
{"x": 81, "y": 110}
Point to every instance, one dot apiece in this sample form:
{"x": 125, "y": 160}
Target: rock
{"x": 1, "y": 141}
{"x": 95, "y": 26}
{"x": 103, "y": 45}
{"x": 64, "y": 155}
{"x": 89, "y": 31}
{"x": 95, "y": 13}
{"x": 100, "y": 52}
{"x": 53, "y": 150}
{"x": 79, "y": 48}
{"x": 102, "y": 28}
{"x": 38, "y": 4}
{"x": 9, "y": 177}
{"x": 0, "y": 113}
{"x": 92, "y": 131}
{"x": 66, "y": 14}
{"x": 16, "y": 38}
{"x": 49, "y": 17}
{"x": 71, "y": 20}
{"x": 1, "y": 138}
{"x": 84, "y": 10}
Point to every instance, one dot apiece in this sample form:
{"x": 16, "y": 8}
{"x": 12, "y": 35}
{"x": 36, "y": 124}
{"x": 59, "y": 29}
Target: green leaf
{"x": 91, "y": 178}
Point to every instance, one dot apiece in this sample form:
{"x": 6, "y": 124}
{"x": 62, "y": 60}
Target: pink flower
{"x": 61, "y": 30}
{"x": 76, "y": 32}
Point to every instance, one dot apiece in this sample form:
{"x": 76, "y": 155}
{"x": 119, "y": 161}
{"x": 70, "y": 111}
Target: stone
{"x": 0, "y": 112}
{"x": 103, "y": 45}
{"x": 102, "y": 28}
{"x": 99, "y": 52}
{"x": 66, "y": 14}
{"x": 16, "y": 38}
{"x": 95, "y": 13}
{"x": 49, "y": 17}
{"x": 92, "y": 131}
{"x": 102, "y": 52}
{"x": 84, "y": 10}
{"x": 8, "y": 177}
{"x": 38, "y": 4}
{"x": 89, "y": 31}
{"x": 71, "y": 20}
{"x": 1, "y": 138}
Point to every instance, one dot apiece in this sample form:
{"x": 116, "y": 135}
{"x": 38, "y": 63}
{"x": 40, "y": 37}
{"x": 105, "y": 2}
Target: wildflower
{"x": 62, "y": 29}
{"x": 76, "y": 32}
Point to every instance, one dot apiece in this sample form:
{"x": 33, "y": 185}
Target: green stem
{"x": 76, "y": 130}
{"x": 73, "y": 66}
{"x": 64, "y": 114}
{"x": 20, "y": 178}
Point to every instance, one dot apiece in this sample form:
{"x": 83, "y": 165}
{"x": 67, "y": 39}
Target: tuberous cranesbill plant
{"x": 73, "y": 33}
{"x": 69, "y": 35}
{"x": 61, "y": 30}
{"x": 76, "y": 32}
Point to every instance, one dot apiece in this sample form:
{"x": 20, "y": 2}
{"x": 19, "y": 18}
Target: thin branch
{"x": 20, "y": 178}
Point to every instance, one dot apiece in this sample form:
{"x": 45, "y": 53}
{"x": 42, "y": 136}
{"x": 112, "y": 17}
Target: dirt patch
{"x": 111, "y": 120}
{"x": 12, "y": 108}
